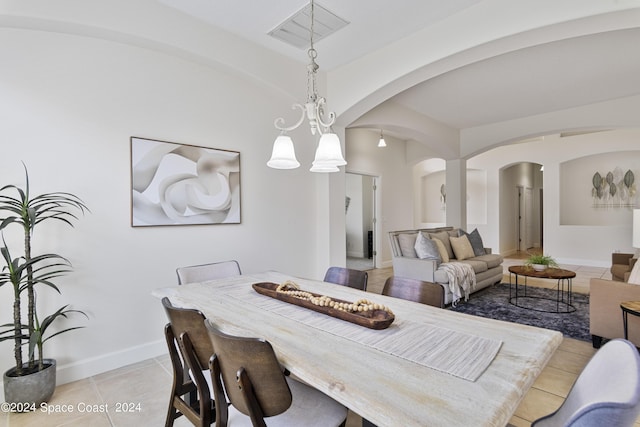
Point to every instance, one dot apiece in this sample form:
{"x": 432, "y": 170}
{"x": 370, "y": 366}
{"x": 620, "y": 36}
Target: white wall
{"x": 395, "y": 188}
{"x": 576, "y": 189}
{"x": 570, "y": 244}
{"x": 69, "y": 105}
{"x": 592, "y": 233}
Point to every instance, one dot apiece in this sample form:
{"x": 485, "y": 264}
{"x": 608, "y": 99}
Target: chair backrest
{"x": 203, "y": 272}
{"x": 607, "y": 391}
{"x": 189, "y": 398}
{"x": 191, "y": 322}
{"x": 250, "y": 359}
{"x": 347, "y": 277}
{"x": 414, "y": 290}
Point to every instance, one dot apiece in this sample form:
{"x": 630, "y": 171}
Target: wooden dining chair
{"x": 256, "y": 386}
{"x": 211, "y": 271}
{"x": 190, "y": 392}
{"x": 414, "y": 290}
{"x": 347, "y": 277}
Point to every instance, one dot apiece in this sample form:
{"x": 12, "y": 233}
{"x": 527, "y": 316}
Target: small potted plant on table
{"x": 540, "y": 262}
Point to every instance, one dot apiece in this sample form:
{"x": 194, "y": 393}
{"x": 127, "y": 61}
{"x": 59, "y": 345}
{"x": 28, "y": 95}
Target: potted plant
{"x": 540, "y": 262}
{"x": 31, "y": 381}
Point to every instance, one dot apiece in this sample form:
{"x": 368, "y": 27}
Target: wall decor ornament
{"x": 178, "y": 184}
{"x": 617, "y": 189}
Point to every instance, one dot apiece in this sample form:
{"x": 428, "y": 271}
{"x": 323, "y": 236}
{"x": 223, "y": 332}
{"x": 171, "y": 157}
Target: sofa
{"x": 487, "y": 267}
{"x": 621, "y": 265}
{"x": 605, "y": 315}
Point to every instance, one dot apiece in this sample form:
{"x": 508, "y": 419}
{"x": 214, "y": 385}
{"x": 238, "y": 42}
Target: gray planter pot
{"x": 33, "y": 388}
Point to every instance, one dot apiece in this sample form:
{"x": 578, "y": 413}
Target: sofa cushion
{"x": 475, "y": 240}
{"x": 443, "y": 236}
{"x": 407, "y": 244}
{"x": 478, "y": 266}
{"x": 492, "y": 260}
{"x": 427, "y": 248}
{"x": 461, "y": 247}
{"x": 444, "y": 256}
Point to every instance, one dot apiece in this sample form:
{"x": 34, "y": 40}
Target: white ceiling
{"x": 372, "y": 23}
{"x": 540, "y": 79}
{"x": 544, "y": 78}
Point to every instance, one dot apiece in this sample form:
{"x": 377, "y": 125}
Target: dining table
{"x": 429, "y": 367}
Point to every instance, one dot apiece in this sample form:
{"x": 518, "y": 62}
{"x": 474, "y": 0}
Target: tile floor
{"x": 147, "y": 384}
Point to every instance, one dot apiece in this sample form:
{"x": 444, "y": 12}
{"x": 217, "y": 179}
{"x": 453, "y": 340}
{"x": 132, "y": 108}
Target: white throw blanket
{"x": 462, "y": 278}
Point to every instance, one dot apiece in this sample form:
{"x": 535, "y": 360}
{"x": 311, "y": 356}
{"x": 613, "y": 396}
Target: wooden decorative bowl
{"x": 372, "y": 319}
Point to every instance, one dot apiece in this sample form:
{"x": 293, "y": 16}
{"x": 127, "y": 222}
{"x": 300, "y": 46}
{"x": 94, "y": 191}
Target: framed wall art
{"x": 178, "y": 184}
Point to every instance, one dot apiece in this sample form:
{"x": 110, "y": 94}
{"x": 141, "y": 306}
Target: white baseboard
{"x": 107, "y": 362}
{"x": 583, "y": 262}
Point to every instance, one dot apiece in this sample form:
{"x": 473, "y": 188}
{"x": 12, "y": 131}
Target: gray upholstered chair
{"x": 606, "y": 393}
{"x": 212, "y": 271}
{"x": 347, "y": 277}
{"x": 249, "y": 371}
{"x": 621, "y": 266}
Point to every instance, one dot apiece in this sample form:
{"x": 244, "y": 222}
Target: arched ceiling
{"x": 441, "y": 74}
{"x": 535, "y": 80}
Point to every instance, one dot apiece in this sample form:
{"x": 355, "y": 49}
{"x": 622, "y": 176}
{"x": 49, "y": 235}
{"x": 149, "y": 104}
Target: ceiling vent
{"x": 295, "y": 30}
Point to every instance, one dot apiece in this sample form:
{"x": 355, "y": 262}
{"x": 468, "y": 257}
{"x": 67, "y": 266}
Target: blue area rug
{"x": 493, "y": 303}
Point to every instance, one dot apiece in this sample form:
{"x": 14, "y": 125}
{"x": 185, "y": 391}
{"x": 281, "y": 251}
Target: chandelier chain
{"x": 312, "y": 68}
{"x": 328, "y": 154}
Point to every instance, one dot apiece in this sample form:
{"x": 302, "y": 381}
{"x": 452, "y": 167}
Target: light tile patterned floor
{"x": 148, "y": 383}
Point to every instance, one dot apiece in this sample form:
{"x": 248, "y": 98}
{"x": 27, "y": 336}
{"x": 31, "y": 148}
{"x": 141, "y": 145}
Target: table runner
{"x": 462, "y": 355}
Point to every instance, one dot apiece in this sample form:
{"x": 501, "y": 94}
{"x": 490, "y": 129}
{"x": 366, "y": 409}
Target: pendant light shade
{"x": 283, "y": 155}
{"x": 382, "y": 142}
{"x": 323, "y": 168}
{"x": 328, "y": 154}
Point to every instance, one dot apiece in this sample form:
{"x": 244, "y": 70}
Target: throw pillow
{"x": 444, "y": 255}
{"x": 476, "y": 241}
{"x": 407, "y": 243}
{"x": 427, "y": 248}
{"x": 462, "y": 248}
{"x": 454, "y": 233}
{"x": 443, "y": 236}
{"x": 634, "y": 276}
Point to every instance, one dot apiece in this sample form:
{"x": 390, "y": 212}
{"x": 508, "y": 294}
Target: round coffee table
{"x": 629, "y": 307}
{"x": 563, "y": 288}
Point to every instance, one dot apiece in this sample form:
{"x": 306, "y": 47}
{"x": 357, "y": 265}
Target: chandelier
{"x": 328, "y": 154}
{"x": 382, "y": 143}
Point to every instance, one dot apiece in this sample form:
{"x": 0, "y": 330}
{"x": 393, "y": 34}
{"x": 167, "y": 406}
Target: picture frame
{"x": 181, "y": 184}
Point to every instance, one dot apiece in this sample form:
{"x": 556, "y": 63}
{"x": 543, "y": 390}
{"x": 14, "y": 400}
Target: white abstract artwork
{"x": 177, "y": 184}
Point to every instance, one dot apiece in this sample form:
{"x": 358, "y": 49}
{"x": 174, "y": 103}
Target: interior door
{"x": 361, "y": 238}
{"x": 528, "y": 217}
